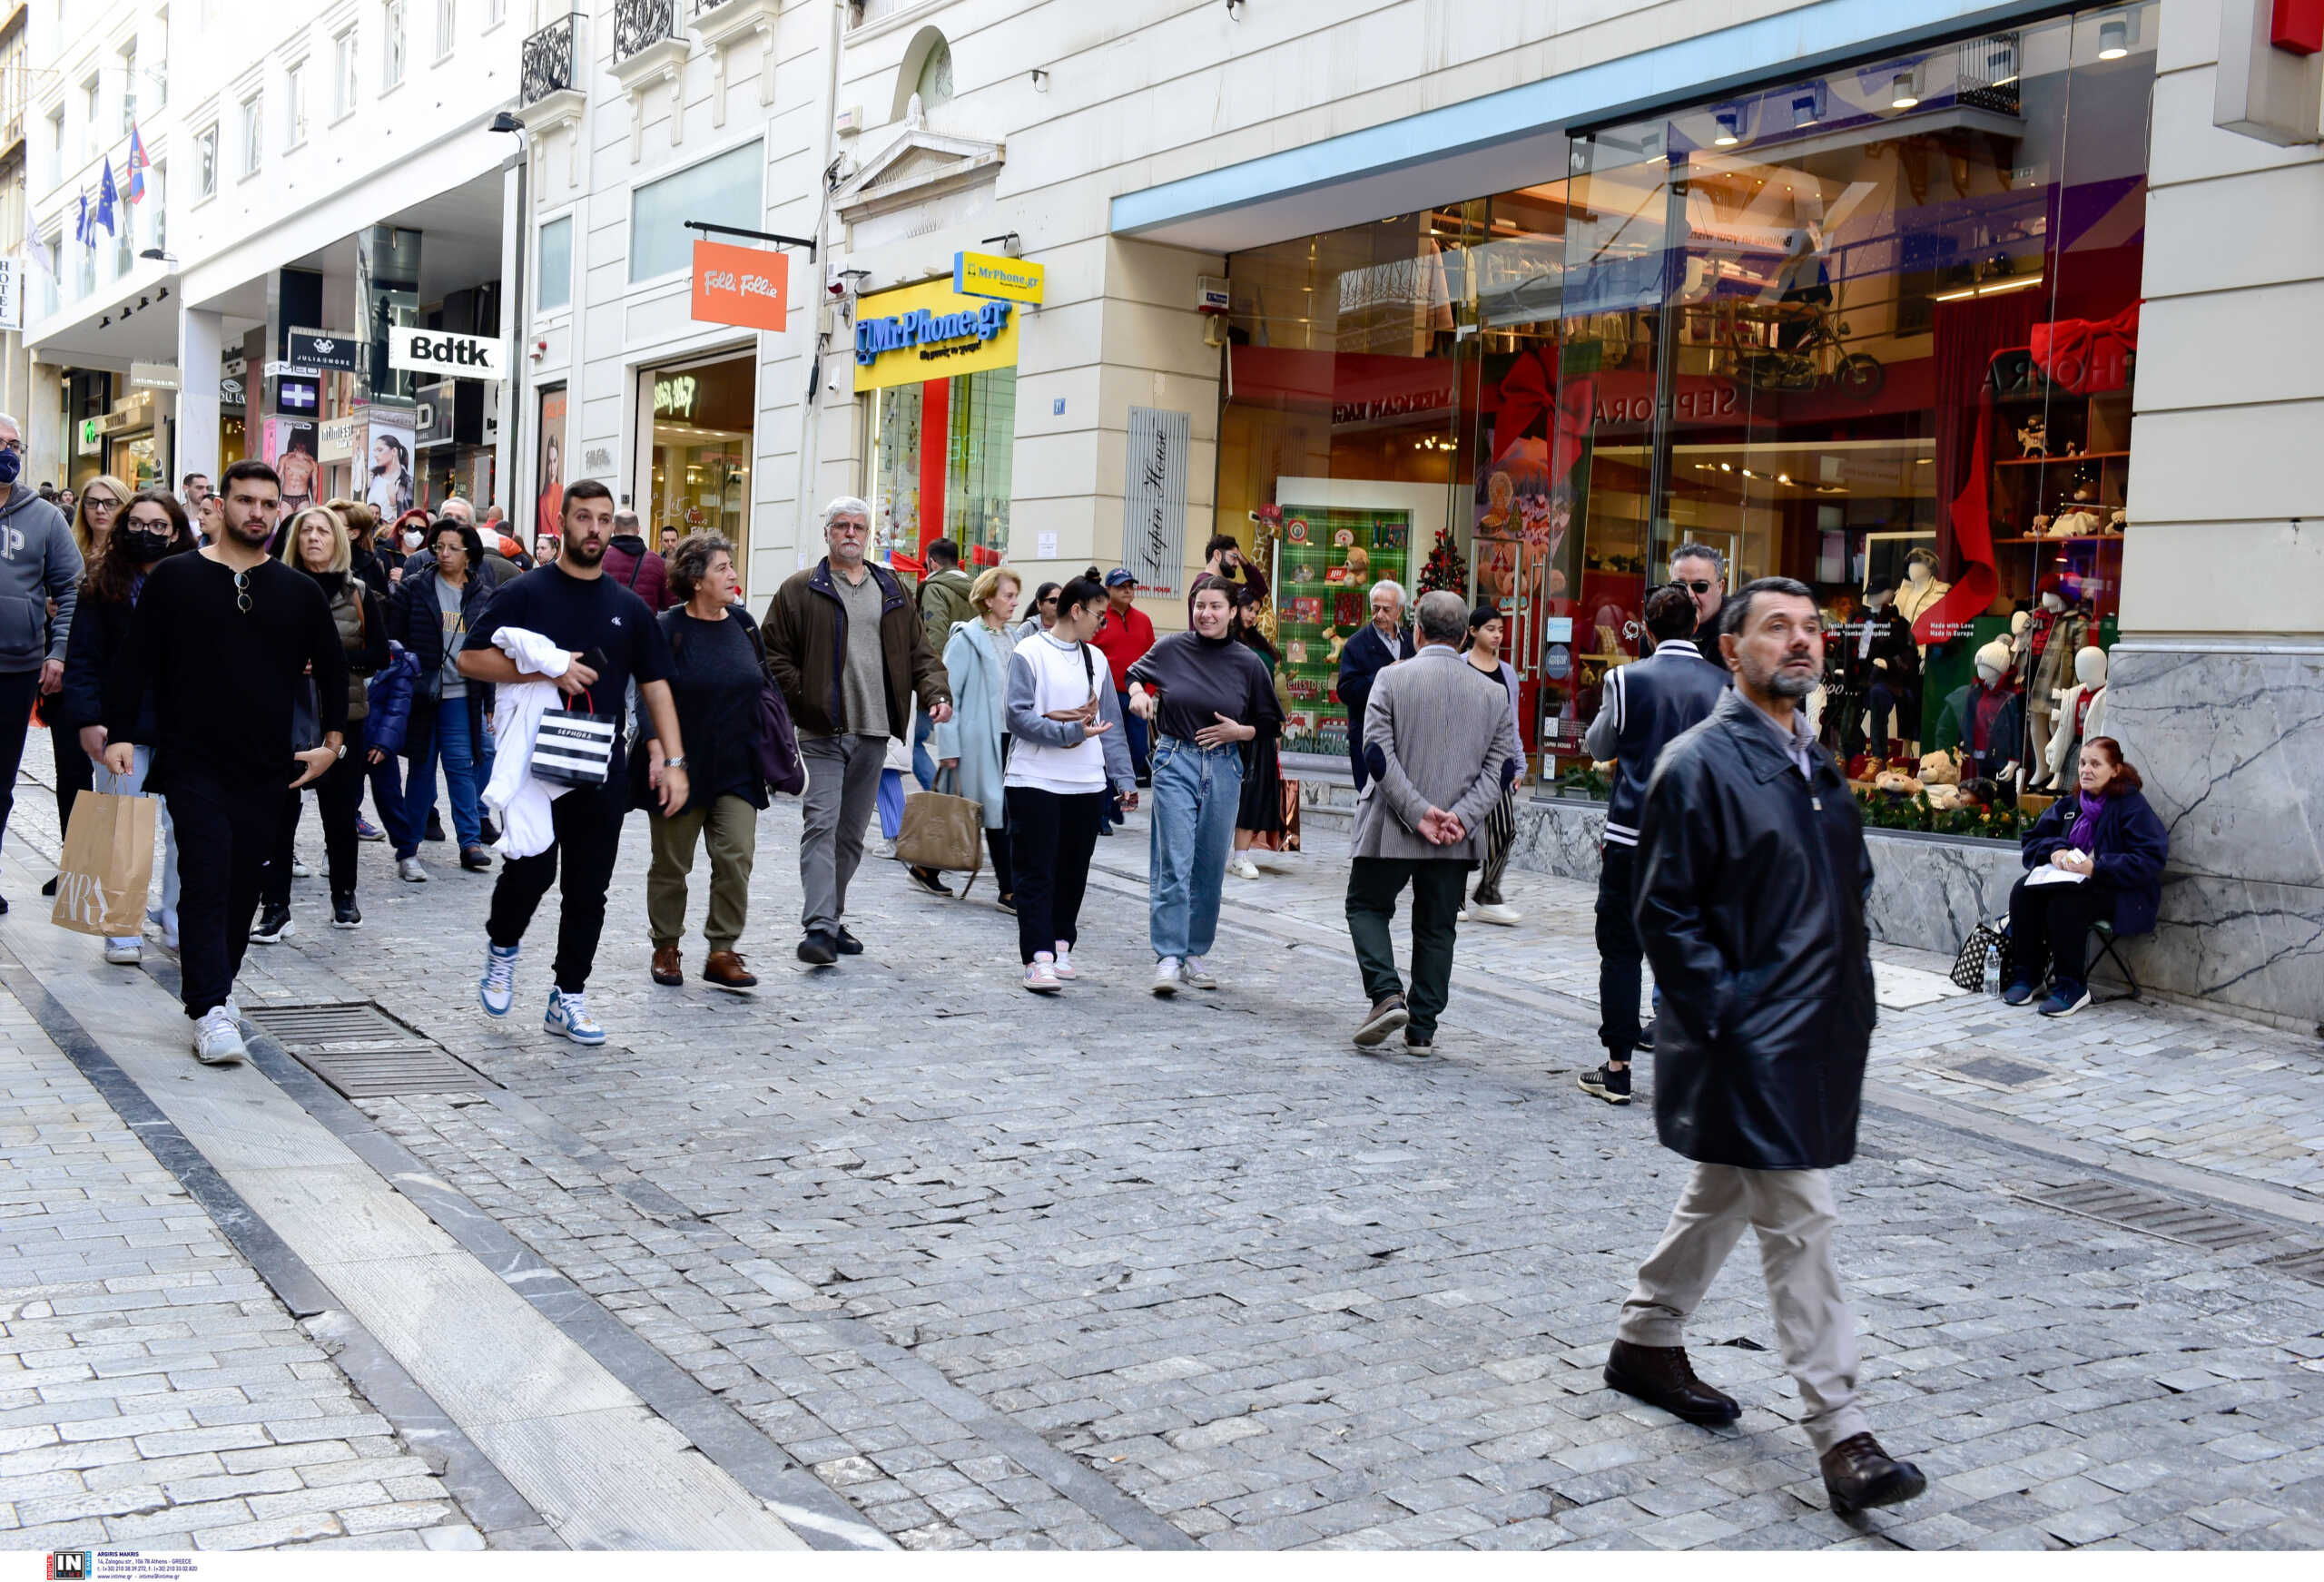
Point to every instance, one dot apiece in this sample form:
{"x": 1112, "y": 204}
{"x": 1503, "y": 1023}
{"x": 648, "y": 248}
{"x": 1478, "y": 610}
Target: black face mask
{"x": 146, "y": 548}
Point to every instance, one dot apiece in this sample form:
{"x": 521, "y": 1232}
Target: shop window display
{"x": 700, "y": 480}
{"x": 960, "y": 487}
{"x": 1873, "y": 329}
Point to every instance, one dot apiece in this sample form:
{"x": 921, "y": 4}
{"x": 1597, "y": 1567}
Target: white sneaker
{"x": 498, "y": 988}
{"x": 299, "y": 869}
{"x": 1196, "y": 973}
{"x": 568, "y": 1018}
{"x": 1492, "y": 912}
{"x": 1462, "y": 916}
{"x": 882, "y": 852}
{"x": 1243, "y": 868}
{"x": 1041, "y": 976}
{"x": 218, "y": 1038}
{"x": 408, "y": 869}
{"x": 1064, "y": 966}
{"x": 1166, "y": 976}
{"x": 124, "y": 952}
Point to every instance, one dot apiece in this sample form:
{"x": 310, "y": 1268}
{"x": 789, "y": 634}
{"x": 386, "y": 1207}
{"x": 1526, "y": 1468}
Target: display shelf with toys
{"x": 1326, "y": 561}
{"x": 2060, "y": 471}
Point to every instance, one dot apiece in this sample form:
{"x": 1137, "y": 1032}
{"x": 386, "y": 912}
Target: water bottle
{"x": 1993, "y": 971}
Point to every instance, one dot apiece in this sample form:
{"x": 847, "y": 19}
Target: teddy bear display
{"x": 1941, "y": 768}
{"x": 1943, "y": 798}
{"x": 1896, "y": 782}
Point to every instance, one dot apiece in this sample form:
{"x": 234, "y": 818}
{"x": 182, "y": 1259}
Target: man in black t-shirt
{"x": 223, "y": 733}
{"x": 611, "y": 638}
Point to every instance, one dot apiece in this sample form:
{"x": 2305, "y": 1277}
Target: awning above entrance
{"x": 1517, "y": 137}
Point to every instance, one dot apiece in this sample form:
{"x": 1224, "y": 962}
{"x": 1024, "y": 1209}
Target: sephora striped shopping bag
{"x": 573, "y": 748}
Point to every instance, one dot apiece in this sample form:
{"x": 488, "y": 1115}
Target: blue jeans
{"x": 1196, "y": 793}
{"x": 445, "y": 736}
{"x": 923, "y": 767}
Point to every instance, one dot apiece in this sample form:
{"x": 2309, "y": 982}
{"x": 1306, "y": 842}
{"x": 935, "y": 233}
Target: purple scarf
{"x": 2085, "y": 823}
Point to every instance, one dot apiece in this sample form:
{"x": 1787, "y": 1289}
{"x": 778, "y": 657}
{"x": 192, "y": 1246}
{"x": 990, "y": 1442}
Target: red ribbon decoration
{"x": 2088, "y": 356}
{"x": 1530, "y": 388}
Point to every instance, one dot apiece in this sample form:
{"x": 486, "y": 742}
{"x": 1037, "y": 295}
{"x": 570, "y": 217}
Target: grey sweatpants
{"x": 843, "y": 787}
{"x": 1794, "y": 1215}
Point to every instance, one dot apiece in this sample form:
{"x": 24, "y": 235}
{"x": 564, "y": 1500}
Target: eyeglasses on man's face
{"x": 18, "y": 446}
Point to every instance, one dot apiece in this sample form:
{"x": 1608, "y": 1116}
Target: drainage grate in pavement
{"x": 2306, "y": 1265}
{"x": 2157, "y": 1216}
{"x": 2007, "y": 1073}
{"x": 363, "y": 1052}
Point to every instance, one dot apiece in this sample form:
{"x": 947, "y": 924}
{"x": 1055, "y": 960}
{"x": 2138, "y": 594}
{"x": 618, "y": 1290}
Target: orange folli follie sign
{"x": 740, "y": 285}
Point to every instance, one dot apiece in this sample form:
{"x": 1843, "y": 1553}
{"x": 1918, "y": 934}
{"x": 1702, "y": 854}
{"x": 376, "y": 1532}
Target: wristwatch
{"x": 339, "y": 750}
{"x": 677, "y": 762}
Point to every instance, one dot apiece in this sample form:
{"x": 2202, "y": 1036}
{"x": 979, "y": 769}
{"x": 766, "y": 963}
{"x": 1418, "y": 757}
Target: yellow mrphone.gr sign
{"x": 929, "y": 332}
{"x": 985, "y": 274}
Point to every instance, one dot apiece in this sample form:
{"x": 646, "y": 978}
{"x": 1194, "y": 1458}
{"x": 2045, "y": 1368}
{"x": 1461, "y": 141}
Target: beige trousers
{"x": 1793, "y": 1212}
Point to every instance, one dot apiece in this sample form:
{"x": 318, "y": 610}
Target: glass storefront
{"x": 699, "y": 478}
{"x": 957, "y": 487}
{"x": 1873, "y": 328}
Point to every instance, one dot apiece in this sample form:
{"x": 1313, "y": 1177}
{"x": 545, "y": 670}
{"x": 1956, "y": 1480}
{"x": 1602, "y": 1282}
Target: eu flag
{"x": 106, "y": 195}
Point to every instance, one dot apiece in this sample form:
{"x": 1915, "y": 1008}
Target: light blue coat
{"x": 979, "y": 714}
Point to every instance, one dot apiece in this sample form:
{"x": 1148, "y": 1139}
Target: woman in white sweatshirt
{"x": 1065, "y": 746}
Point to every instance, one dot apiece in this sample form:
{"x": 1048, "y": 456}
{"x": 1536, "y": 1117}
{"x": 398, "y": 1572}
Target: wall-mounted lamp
{"x": 105, "y": 321}
{"x": 1008, "y": 241}
{"x": 1904, "y": 94}
{"x": 1803, "y": 111}
{"x": 1040, "y": 81}
{"x": 1731, "y": 126}
{"x": 2113, "y": 38}
{"x": 157, "y": 256}
{"x": 1235, "y": 9}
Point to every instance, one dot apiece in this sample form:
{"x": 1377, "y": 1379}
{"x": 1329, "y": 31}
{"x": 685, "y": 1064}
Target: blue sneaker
{"x": 2066, "y": 999}
{"x": 568, "y": 1018}
{"x": 498, "y": 988}
{"x": 2017, "y": 993}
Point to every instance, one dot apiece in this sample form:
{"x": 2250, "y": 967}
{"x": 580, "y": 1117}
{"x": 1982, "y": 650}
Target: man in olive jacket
{"x": 1752, "y": 878}
{"x": 846, "y": 646}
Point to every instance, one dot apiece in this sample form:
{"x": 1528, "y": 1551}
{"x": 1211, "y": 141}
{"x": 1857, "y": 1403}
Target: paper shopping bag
{"x": 944, "y": 831}
{"x": 107, "y": 864}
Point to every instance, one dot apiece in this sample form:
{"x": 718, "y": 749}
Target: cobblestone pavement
{"x": 1105, "y": 1268}
{"x": 153, "y": 1394}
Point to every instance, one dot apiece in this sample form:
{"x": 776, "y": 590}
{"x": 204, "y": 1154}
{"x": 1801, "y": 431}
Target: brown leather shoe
{"x": 666, "y": 971}
{"x": 1661, "y": 1376}
{"x": 1858, "y": 1474}
{"x": 724, "y": 969}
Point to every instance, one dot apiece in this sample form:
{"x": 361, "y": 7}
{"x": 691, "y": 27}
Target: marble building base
{"x": 2231, "y": 743}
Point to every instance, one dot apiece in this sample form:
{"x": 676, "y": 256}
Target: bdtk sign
{"x": 446, "y": 355}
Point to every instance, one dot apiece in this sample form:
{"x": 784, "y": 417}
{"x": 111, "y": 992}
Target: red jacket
{"x": 652, "y": 583}
{"x": 1124, "y": 640}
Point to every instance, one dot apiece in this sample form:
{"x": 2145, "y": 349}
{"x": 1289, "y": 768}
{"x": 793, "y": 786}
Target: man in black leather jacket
{"x": 1752, "y": 879}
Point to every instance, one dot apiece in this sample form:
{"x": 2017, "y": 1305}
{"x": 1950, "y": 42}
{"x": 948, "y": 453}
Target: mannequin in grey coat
{"x": 1440, "y": 746}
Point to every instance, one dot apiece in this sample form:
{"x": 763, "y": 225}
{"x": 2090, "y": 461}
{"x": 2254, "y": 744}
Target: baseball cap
{"x": 1120, "y": 577}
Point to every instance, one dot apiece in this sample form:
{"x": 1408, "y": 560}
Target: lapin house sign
{"x": 441, "y": 352}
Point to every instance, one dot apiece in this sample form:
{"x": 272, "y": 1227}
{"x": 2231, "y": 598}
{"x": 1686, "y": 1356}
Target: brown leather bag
{"x": 944, "y": 831}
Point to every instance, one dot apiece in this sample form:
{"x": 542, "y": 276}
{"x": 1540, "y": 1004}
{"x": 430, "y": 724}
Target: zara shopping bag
{"x": 108, "y": 862}
{"x": 573, "y": 748}
{"x": 944, "y": 831}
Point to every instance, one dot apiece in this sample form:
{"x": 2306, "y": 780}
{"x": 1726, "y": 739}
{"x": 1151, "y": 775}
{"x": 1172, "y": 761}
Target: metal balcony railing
{"x": 639, "y": 23}
{"x": 551, "y": 62}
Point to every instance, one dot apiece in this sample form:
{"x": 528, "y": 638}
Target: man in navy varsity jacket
{"x": 1646, "y": 704}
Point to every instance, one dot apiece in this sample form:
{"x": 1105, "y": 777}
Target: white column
{"x": 511, "y": 477}
{"x": 198, "y": 330}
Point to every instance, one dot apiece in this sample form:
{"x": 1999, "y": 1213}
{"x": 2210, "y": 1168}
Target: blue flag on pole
{"x": 106, "y": 194}
{"x": 80, "y": 224}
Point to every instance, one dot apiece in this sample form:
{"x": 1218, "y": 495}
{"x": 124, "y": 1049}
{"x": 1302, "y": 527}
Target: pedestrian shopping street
{"x": 913, "y": 1258}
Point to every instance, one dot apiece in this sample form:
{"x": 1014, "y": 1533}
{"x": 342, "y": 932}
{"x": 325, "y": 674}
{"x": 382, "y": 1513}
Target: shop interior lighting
{"x": 1803, "y": 111}
{"x": 1994, "y": 290}
{"x": 2113, "y": 38}
{"x": 1904, "y": 96}
{"x": 1729, "y": 128}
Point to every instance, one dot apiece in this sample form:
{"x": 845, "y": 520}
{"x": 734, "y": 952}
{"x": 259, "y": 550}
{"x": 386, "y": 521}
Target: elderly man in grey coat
{"x": 1439, "y": 747}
